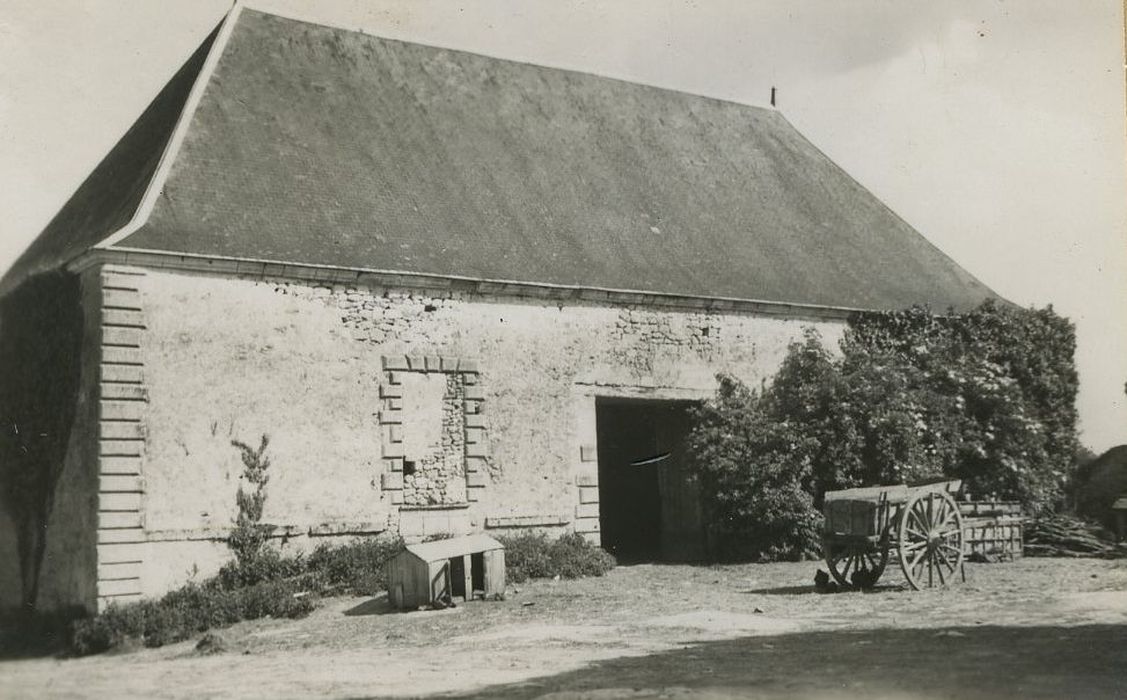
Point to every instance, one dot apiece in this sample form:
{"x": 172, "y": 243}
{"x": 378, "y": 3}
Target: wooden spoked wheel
{"x": 930, "y": 540}
{"x": 845, "y": 560}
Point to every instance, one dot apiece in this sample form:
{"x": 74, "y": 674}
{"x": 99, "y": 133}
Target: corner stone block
{"x": 120, "y": 553}
{"x": 587, "y": 480}
{"x": 129, "y": 374}
{"x": 119, "y": 335}
{"x": 587, "y": 510}
{"x": 120, "y": 465}
{"x": 123, "y": 317}
{"x": 122, "y": 410}
{"x": 477, "y": 449}
{"x": 121, "y": 430}
{"x": 121, "y": 299}
{"x": 120, "y": 483}
{"x": 134, "y": 535}
{"x": 469, "y": 378}
{"x": 586, "y": 525}
{"x": 395, "y": 362}
{"x": 111, "y": 520}
{"x": 476, "y": 480}
{"x": 394, "y": 433}
{"x": 390, "y": 416}
{"x": 588, "y": 494}
{"x": 391, "y": 481}
{"x": 119, "y": 502}
{"x": 395, "y": 377}
{"x": 468, "y": 366}
{"x": 120, "y": 587}
{"x": 116, "y": 354}
{"x": 117, "y": 571}
{"x": 120, "y": 448}
{"x": 124, "y": 392}
{"x": 449, "y": 364}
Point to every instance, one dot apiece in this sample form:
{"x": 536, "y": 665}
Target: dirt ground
{"x": 1038, "y": 628}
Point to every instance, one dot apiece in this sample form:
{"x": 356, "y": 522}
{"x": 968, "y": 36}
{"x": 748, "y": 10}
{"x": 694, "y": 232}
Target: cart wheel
{"x": 845, "y": 560}
{"x": 930, "y": 540}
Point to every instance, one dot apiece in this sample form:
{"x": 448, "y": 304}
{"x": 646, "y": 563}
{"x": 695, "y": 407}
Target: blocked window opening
{"x": 433, "y": 417}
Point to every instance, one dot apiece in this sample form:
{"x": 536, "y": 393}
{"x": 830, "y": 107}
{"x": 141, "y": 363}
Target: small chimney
{"x": 772, "y": 95}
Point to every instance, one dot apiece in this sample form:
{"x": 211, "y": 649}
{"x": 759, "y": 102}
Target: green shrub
{"x": 356, "y": 567}
{"x": 532, "y": 555}
{"x": 264, "y": 565}
{"x": 184, "y": 612}
{"x": 756, "y": 504}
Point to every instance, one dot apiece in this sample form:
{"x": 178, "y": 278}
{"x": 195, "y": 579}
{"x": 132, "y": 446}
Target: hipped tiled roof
{"x": 315, "y": 145}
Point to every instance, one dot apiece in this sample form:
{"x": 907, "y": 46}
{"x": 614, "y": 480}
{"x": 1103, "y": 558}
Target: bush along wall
{"x": 987, "y": 396}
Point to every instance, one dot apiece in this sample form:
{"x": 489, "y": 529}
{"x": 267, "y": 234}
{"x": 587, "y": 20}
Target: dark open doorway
{"x": 648, "y": 508}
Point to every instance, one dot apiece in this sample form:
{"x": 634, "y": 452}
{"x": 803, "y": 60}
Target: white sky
{"x": 996, "y": 128}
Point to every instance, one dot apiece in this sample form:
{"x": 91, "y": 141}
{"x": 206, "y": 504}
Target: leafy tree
{"x": 987, "y": 396}
{"x": 757, "y": 506}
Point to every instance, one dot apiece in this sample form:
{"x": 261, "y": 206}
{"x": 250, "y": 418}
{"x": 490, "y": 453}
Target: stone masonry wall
{"x": 330, "y": 373}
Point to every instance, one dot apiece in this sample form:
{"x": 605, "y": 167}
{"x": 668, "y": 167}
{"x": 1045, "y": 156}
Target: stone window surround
{"x": 391, "y": 421}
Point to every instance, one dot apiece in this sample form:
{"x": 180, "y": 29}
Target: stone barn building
{"x": 459, "y": 294}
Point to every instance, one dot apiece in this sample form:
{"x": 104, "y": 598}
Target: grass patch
{"x": 533, "y": 555}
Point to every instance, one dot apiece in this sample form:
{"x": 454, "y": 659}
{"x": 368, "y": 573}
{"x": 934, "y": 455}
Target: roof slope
{"x": 322, "y": 146}
{"x": 107, "y": 199}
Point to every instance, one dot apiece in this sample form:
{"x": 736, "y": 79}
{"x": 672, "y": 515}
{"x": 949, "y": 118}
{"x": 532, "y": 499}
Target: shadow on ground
{"x": 955, "y": 662}
{"x": 376, "y": 606}
{"x": 804, "y": 590}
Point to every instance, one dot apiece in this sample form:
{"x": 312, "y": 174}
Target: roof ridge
{"x": 519, "y": 61}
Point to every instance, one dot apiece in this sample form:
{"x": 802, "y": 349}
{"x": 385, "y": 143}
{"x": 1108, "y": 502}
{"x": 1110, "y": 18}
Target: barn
{"x": 460, "y": 294}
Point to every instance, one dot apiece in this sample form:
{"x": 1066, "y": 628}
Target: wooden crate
{"x": 982, "y": 509}
{"x": 993, "y": 530}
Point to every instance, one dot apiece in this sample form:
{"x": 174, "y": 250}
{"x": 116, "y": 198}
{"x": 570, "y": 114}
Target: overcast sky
{"x": 996, "y": 128}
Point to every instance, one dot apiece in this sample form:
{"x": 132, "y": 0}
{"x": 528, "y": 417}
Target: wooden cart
{"x": 921, "y": 524}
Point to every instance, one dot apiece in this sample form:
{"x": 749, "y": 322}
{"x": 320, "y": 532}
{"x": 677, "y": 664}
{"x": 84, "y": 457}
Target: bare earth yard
{"x": 1038, "y": 628}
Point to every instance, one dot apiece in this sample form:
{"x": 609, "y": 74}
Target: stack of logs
{"x": 1066, "y": 536}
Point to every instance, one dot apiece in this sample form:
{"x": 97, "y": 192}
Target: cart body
{"x": 920, "y": 523}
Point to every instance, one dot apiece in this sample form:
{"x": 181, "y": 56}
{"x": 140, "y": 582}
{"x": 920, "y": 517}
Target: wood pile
{"x": 1067, "y": 536}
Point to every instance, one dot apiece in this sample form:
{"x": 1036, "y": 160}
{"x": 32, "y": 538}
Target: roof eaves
{"x": 259, "y": 268}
